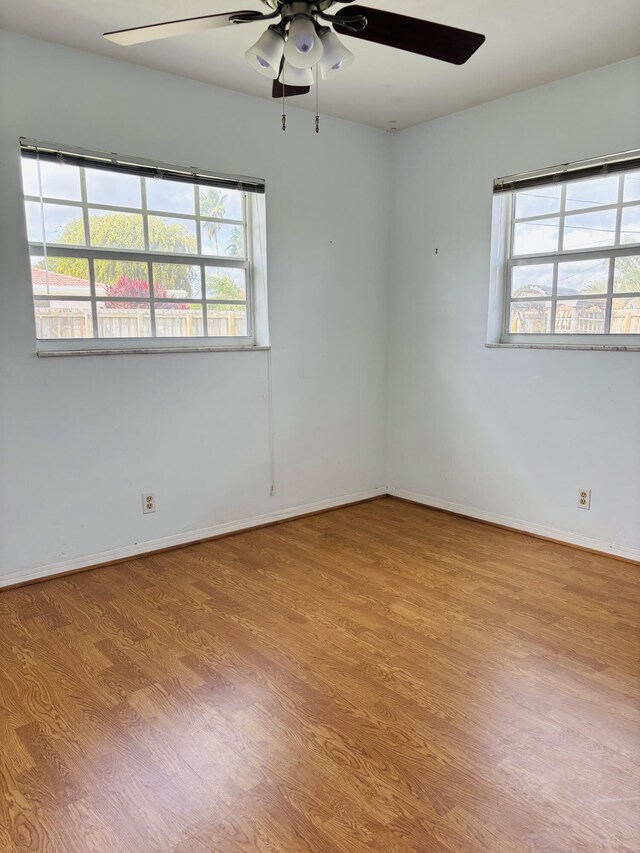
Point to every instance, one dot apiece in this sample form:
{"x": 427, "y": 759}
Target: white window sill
{"x": 604, "y": 347}
{"x": 41, "y": 353}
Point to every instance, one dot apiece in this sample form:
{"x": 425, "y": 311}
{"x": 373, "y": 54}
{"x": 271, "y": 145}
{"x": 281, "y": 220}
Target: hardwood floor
{"x": 382, "y": 677}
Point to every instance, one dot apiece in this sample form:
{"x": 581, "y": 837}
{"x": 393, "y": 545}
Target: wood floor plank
{"x": 382, "y": 677}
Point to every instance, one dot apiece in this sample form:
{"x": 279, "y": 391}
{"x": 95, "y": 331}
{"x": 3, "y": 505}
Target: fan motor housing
{"x": 310, "y": 5}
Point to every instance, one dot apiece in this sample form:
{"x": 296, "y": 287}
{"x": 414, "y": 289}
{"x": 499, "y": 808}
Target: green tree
{"x": 627, "y": 280}
{"x": 628, "y": 274}
{"x": 223, "y": 287}
{"x": 213, "y": 202}
{"x": 627, "y": 277}
{"x": 124, "y": 231}
{"x": 235, "y": 243}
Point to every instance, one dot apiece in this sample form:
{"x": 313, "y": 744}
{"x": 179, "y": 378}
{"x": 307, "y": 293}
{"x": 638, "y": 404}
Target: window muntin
{"x": 128, "y": 257}
{"x": 573, "y": 258}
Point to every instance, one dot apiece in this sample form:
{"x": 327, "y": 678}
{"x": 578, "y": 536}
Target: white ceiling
{"x": 529, "y": 42}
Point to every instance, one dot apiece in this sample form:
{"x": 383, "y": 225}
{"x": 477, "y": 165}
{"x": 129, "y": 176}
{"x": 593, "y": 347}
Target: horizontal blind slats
{"x": 111, "y": 163}
{"x": 569, "y": 172}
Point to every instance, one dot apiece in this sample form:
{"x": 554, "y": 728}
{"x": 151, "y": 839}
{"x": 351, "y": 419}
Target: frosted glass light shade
{"x": 304, "y": 48}
{"x": 296, "y": 76}
{"x": 335, "y": 56}
{"x": 266, "y": 53}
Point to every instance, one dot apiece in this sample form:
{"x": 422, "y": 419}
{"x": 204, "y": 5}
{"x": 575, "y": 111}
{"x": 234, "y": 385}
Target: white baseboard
{"x": 524, "y": 526}
{"x": 131, "y": 551}
{"x": 52, "y": 569}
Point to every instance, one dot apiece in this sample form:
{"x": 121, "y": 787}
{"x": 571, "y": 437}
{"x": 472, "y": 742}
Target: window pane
{"x": 124, "y": 319}
{"x": 589, "y": 230}
{"x": 581, "y": 317}
{"x": 626, "y": 275}
{"x": 592, "y": 193}
{"x": 590, "y": 276}
{"x": 30, "y": 183}
{"x": 167, "y": 234}
{"x": 221, "y": 204}
{"x": 225, "y": 283}
{"x": 538, "y": 201}
{"x": 630, "y": 227}
{"x": 116, "y": 289}
{"x": 63, "y": 224}
{"x": 58, "y": 181}
{"x": 222, "y": 240}
{"x": 121, "y": 278}
{"x": 632, "y": 187}
{"x": 227, "y": 320}
{"x": 530, "y": 318}
{"x": 175, "y": 281}
{"x": 115, "y": 229}
{"x": 171, "y": 196}
{"x": 63, "y": 320}
{"x": 175, "y": 320}
{"x": 33, "y": 212}
{"x": 60, "y": 276}
{"x": 625, "y": 316}
{"x": 531, "y": 238}
{"x": 532, "y": 280}
{"x": 112, "y": 188}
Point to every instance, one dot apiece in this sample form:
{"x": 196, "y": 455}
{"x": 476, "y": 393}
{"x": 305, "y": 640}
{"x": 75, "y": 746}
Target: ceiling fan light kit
{"x": 288, "y": 50}
{"x": 292, "y": 76}
{"x": 303, "y": 48}
{"x": 335, "y": 56}
{"x": 266, "y": 54}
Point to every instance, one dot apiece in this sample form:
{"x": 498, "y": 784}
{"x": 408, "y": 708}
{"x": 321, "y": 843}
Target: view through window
{"x": 573, "y": 264}
{"x": 123, "y": 256}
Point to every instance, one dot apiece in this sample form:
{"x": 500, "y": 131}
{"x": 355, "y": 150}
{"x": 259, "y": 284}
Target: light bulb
{"x": 335, "y": 57}
{"x": 304, "y": 48}
{"x": 266, "y": 53}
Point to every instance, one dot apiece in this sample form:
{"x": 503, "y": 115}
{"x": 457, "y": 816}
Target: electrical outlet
{"x": 584, "y": 498}
{"x": 148, "y": 502}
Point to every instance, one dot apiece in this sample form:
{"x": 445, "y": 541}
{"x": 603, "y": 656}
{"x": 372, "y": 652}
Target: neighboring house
{"x": 583, "y": 316}
{"x": 48, "y": 283}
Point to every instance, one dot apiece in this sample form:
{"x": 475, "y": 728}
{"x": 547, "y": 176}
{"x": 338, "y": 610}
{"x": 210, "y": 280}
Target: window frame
{"x": 252, "y": 210}
{"x": 503, "y": 262}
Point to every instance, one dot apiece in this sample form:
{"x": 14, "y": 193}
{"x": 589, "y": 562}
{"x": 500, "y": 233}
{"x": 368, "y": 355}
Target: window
{"x": 568, "y": 253}
{"x": 128, "y": 255}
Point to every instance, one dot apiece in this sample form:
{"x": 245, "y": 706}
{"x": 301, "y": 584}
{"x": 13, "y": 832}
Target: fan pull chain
{"x": 284, "y": 108}
{"x": 317, "y": 99}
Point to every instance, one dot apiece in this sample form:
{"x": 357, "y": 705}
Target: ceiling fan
{"x": 300, "y": 39}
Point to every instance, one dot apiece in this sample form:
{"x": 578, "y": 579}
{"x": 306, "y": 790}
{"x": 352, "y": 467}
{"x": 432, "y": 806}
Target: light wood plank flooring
{"x": 382, "y": 677}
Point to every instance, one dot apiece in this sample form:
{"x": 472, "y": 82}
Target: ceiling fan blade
{"x": 151, "y": 32}
{"x": 413, "y": 34}
{"x": 286, "y": 91}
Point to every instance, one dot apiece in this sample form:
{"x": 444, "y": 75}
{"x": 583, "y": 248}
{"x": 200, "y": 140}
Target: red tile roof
{"x": 55, "y": 279}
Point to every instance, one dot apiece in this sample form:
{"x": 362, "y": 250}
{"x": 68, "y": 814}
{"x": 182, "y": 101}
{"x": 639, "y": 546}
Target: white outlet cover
{"x": 584, "y": 498}
{"x": 148, "y": 502}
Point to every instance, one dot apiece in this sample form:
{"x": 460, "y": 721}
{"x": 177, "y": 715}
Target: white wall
{"x": 507, "y": 435}
{"x": 81, "y": 438}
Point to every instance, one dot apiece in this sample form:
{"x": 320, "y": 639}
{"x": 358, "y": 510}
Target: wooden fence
{"x": 581, "y": 319}
{"x": 55, "y": 323}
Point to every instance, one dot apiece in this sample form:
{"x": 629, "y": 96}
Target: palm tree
{"x": 213, "y": 202}
{"x": 627, "y": 277}
{"x": 627, "y": 280}
{"x": 235, "y": 243}
{"x": 627, "y": 274}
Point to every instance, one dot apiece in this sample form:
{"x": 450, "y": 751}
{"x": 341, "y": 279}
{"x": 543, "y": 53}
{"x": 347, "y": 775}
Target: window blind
{"x": 577, "y": 170}
{"x": 137, "y": 166}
